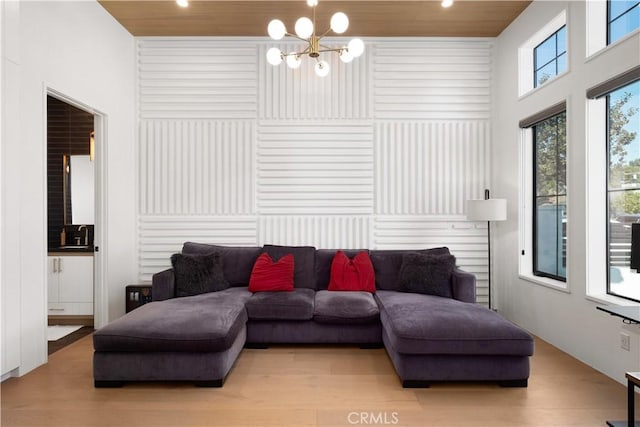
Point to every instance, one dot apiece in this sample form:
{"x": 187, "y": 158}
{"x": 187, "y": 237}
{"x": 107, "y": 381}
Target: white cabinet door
{"x": 70, "y": 285}
{"x": 76, "y": 279}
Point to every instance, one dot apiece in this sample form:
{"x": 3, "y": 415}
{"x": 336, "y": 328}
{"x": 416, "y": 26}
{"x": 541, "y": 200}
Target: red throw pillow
{"x": 272, "y": 276}
{"x": 352, "y": 274}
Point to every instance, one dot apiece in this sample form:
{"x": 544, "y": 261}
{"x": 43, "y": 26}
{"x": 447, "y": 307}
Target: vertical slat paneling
{"x": 466, "y": 240}
{"x": 196, "y": 167}
{"x": 324, "y": 232}
{"x": 299, "y": 94}
{"x": 429, "y": 167}
{"x": 315, "y": 168}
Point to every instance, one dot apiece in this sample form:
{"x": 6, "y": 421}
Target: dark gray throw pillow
{"x": 198, "y": 274}
{"x": 427, "y": 274}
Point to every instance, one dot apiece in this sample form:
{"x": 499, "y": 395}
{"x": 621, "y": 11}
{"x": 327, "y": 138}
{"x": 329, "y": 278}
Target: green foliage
{"x": 626, "y": 202}
{"x": 551, "y": 156}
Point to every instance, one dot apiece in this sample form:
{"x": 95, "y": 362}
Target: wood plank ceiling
{"x": 471, "y": 18}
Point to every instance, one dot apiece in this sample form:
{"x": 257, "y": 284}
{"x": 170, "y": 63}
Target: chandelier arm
{"x": 330, "y": 49}
{"x": 295, "y": 36}
{"x": 325, "y": 33}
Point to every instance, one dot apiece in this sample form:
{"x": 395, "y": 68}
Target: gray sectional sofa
{"x": 198, "y": 338}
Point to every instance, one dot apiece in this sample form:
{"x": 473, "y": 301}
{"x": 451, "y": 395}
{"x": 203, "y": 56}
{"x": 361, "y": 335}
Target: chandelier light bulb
{"x": 339, "y": 22}
{"x": 312, "y": 3}
{"x": 182, "y": 3}
{"x": 293, "y": 61}
{"x": 322, "y": 69}
{"x": 304, "y": 27}
{"x": 345, "y": 55}
{"x": 447, "y": 3}
{"x": 274, "y": 56}
{"x": 276, "y": 29}
{"x": 356, "y": 47}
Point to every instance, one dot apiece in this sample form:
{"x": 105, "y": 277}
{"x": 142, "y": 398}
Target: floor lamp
{"x": 487, "y": 209}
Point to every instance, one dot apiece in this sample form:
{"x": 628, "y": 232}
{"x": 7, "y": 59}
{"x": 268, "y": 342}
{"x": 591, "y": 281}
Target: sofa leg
{"x": 108, "y": 384}
{"x": 214, "y": 383}
{"x": 415, "y": 384}
{"x": 514, "y": 383}
{"x": 256, "y": 345}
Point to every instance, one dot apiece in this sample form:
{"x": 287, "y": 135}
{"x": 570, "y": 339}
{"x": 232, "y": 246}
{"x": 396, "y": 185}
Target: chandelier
{"x": 306, "y": 30}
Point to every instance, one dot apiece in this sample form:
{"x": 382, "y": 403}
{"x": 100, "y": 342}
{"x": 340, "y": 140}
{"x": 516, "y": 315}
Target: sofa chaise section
{"x": 195, "y": 338}
{"x": 430, "y": 338}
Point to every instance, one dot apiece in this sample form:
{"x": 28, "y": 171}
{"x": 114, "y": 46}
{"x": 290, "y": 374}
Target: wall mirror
{"x": 78, "y": 176}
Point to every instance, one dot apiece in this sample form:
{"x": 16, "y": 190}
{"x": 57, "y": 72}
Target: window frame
{"x": 610, "y": 21}
{"x": 534, "y": 210}
{"x": 525, "y": 197}
{"x": 553, "y": 60}
{"x": 607, "y": 117}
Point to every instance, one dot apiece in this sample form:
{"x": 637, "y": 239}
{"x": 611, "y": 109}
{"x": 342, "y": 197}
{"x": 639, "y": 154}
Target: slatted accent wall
{"x": 382, "y": 153}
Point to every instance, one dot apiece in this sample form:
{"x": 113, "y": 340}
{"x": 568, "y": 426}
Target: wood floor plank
{"x": 315, "y": 386}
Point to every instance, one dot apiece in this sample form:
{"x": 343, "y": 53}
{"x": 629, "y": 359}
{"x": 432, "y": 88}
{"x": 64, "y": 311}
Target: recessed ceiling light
{"x": 183, "y": 3}
{"x": 447, "y": 3}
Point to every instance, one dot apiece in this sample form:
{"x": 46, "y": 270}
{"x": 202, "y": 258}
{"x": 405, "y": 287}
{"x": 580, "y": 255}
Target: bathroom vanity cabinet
{"x": 70, "y": 284}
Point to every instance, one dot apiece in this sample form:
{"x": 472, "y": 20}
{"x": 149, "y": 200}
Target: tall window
{"x": 550, "y": 198}
{"x": 623, "y": 187}
{"x": 550, "y": 57}
{"x": 623, "y": 17}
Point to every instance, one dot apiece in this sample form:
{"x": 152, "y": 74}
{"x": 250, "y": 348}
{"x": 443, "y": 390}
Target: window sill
{"x": 544, "y": 281}
{"x": 608, "y": 47}
{"x": 609, "y": 300}
{"x": 533, "y": 90}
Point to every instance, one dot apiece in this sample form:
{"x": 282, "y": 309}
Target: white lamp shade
{"x": 356, "y": 47}
{"x": 276, "y": 29}
{"x": 274, "y": 56}
{"x": 322, "y": 69}
{"x": 339, "y": 22}
{"x": 293, "y": 61}
{"x": 487, "y": 210}
{"x": 304, "y": 27}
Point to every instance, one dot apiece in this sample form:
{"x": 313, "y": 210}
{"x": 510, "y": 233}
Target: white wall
{"x": 569, "y": 321}
{"x": 382, "y": 153}
{"x": 79, "y": 50}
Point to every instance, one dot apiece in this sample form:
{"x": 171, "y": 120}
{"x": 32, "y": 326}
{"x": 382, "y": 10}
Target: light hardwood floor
{"x": 311, "y": 386}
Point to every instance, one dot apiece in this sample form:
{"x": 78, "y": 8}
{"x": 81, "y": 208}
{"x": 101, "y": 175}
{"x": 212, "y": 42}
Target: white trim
{"x": 526, "y": 60}
{"x": 100, "y": 316}
{"x": 525, "y": 213}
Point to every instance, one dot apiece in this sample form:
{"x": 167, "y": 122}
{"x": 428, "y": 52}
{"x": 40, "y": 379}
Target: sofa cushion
{"x": 427, "y": 274}
{"x": 324, "y": 259}
{"x": 270, "y": 276}
{"x": 237, "y": 261}
{"x": 198, "y": 274}
{"x": 352, "y": 274}
{"x": 296, "y": 305}
{"x": 305, "y": 256}
{"x": 347, "y": 307}
{"x": 387, "y": 263}
{"x": 202, "y": 323}
{"x": 427, "y": 324}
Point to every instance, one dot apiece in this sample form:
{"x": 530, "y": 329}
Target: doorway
{"x": 73, "y": 136}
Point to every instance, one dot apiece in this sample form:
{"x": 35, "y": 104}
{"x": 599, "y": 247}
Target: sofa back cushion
{"x": 387, "y": 263}
{"x": 324, "y": 259}
{"x": 237, "y": 262}
{"x": 304, "y": 263}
